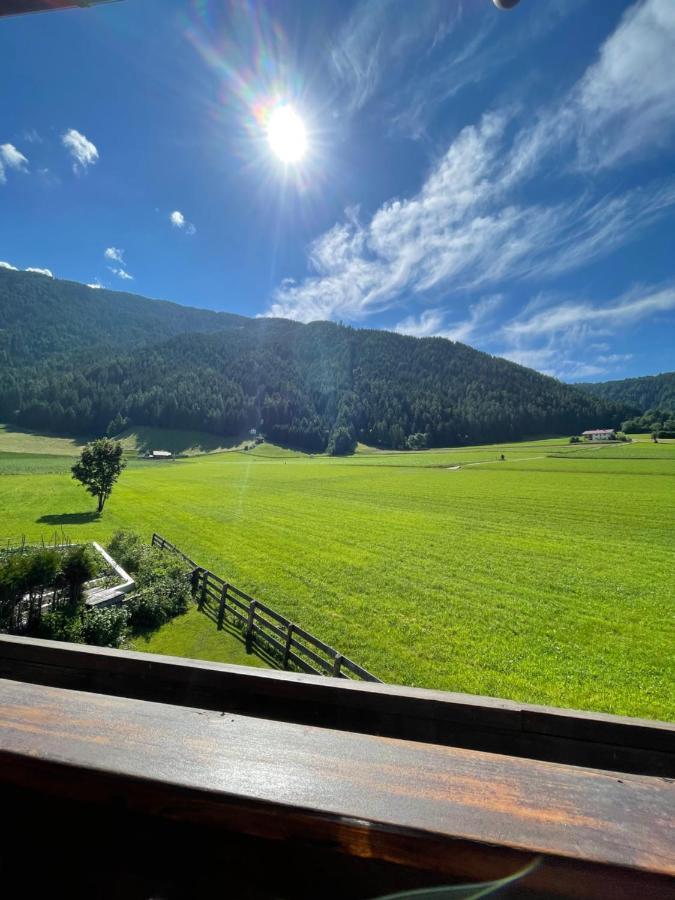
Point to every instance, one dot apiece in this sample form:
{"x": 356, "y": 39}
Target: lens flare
{"x": 286, "y": 134}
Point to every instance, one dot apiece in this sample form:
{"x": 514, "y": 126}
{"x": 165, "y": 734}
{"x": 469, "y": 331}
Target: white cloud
{"x": 551, "y": 335}
{"x": 11, "y": 158}
{"x": 432, "y": 322}
{"x": 115, "y": 254}
{"x": 121, "y": 273}
{"x": 626, "y": 99}
{"x": 178, "y": 220}
{"x": 428, "y": 324}
{"x": 561, "y": 318}
{"x": 463, "y": 230}
{"x": 379, "y": 38}
{"x": 81, "y": 149}
{"x": 472, "y": 225}
{"x": 429, "y": 57}
{"x": 46, "y": 272}
{"x": 95, "y": 285}
{"x": 6, "y": 265}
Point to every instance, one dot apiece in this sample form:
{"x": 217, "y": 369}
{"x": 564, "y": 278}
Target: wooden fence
{"x": 288, "y": 643}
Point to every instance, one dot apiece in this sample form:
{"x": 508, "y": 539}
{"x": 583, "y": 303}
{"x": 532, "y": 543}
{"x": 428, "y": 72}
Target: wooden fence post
{"x": 287, "y": 648}
{"x": 337, "y": 662}
{"x": 221, "y": 607}
{"x": 249, "y": 624}
{"x": 195, "y": 581}
{"x": 202, "y": 596}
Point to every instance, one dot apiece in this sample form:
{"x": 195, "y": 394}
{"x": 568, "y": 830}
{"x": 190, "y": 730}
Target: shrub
{"x": 79, "y": 565}
{"x": 127, "y": 549}
{"x": 575, "y": 439}
{"x": 341, "y": 442}
{"x": 61, "y": 625}
{"x": 105, "y": 627}
{"x": 159, "y": 602}
{"x": 146, "y": 563}
{"x": 417, "y": 441}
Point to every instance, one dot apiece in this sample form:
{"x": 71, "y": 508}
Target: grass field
{"x": 543, "y": 578}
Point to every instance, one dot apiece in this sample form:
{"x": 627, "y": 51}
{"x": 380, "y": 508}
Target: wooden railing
{"x": 288, "y": 644}
{"x": 361, "y": 788}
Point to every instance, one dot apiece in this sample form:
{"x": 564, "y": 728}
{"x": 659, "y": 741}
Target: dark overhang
{"x": 17, "y": 7}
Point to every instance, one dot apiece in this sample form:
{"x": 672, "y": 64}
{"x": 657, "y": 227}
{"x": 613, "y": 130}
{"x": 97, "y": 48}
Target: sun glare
{"x": 286, "y": 134}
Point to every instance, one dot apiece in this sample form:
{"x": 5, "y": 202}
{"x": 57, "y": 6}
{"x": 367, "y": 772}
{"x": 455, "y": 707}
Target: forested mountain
{"x": 42, "y": 316}
{"x": 648, "y": 392}
{"x": 77, "y": 359}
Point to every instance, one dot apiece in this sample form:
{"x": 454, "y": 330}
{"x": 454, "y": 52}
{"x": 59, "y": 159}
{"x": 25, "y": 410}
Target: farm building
{"x": 160, "y": 454}
{"x": 599, "y": 434}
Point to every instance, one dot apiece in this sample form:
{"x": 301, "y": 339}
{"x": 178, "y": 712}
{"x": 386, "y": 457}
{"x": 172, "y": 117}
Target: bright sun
{"x": 286, "y": 134}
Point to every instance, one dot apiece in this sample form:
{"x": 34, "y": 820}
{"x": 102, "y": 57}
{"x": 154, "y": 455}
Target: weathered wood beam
{"x": 483, "y": 723}
{"x": 466, "y": 814}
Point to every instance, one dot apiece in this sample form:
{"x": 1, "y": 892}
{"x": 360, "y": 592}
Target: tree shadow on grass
{"x": 81, "y": 518}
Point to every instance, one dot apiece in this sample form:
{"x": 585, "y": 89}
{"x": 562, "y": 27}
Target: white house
{"x": 599, "y": 434}
{"x": 160, "y": 454}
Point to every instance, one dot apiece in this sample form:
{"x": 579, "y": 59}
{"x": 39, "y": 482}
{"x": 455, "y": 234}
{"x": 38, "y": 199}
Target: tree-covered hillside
{"x": 648, "y": 392}
{"x": 42, "y": 316}
{"x": 313, "y": 386}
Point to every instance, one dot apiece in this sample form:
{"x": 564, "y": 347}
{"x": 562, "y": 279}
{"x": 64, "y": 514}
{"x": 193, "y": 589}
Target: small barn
{"x": 160, "y": 454}
{"x": 599, "y": 434}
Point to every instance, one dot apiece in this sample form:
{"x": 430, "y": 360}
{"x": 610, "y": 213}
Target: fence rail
{"x": 291, "y": 645}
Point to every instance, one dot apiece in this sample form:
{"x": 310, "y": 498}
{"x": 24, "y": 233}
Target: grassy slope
{"x": 541, "y": 579}
{"x": 194, "y": 635}
{"x": 135, "y": 440}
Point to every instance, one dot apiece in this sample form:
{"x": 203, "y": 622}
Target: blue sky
{"x": 506, "y": 179}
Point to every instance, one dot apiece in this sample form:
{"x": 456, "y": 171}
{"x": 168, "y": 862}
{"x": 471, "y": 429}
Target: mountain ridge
{"x": 74, "y": 357}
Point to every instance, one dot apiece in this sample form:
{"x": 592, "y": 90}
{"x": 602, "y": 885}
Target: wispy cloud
{"x": 378, "y": 39}
{"x": 83, "y": 152}
{"x": 563, "y": 316}
{"x": 626, "y": 99}
{"x": 115, "y": 254}
{"x": 431, "y": 56}
{"x": 464, "y": 230}
{"x": 11, "y": 158}
{"x": 95, "y": 285}
{"x": 6, "y": 265}
{"x": 179, "y": 221}
{"x": 432, "y": 322}
{"x": 480, "y": 222}
{"x": 121, "y": 273}
{"x": 554, "y": 335}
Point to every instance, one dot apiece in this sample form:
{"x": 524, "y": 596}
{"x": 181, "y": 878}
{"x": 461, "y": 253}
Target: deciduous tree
{"x": 99, "y": 467}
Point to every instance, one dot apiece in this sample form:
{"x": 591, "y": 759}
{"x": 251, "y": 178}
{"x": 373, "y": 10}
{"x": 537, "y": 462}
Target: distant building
{"x": 253, "y": 432}
{"x": 599, "y": 434}
{"x": 160, "y": 454}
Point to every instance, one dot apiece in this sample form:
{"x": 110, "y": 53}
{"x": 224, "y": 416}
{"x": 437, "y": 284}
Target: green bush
{"x": 159, "y": 602}
{"x": 78, "y": 566}
{"x": 146, "y": 563}
{"x": 61, "y": 625}
{"x": 127, "y": 549}
{"x": 575, "y": 439}
{"x": 105, "y": 627}
{"x": 418, "y": 441}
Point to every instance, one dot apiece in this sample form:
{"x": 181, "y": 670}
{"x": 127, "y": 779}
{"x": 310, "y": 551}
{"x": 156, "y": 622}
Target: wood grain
{"x": 371, "y": 796}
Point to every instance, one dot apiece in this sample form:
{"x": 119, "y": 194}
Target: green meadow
{"x": 546, "y": 577}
